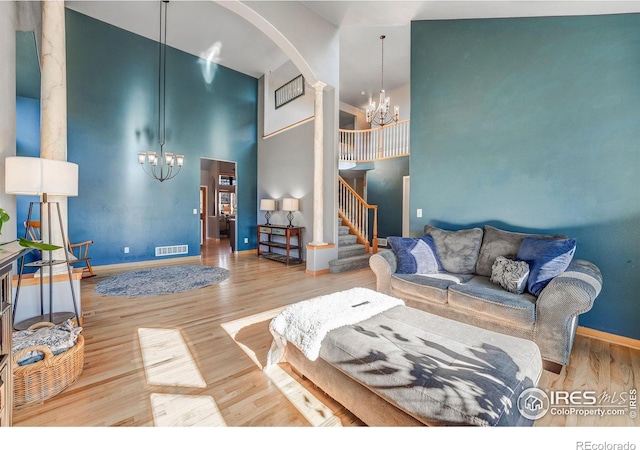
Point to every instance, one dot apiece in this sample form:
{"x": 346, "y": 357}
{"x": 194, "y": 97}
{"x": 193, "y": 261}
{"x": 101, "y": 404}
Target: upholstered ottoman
{"x": 404, "y": 366}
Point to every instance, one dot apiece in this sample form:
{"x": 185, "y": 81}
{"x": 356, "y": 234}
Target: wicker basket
{"x": 38, "y": 381}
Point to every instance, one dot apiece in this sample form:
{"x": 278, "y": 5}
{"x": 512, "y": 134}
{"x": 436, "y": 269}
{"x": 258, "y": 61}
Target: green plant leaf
{"x": 38, "y": 245}
{"x": 4, "y": 217}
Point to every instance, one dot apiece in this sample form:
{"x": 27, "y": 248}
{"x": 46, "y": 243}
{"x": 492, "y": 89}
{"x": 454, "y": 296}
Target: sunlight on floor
{"x": 171, "y": 410}
{"x": 168, "y": 362}
{"x": 316, "y": 412}
{"x": 167, "y": 359}
{"x": 232, "y": 328}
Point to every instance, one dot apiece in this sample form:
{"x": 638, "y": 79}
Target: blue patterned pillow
{"x": 546, "y": 259}
{"x": 415, "y": 255}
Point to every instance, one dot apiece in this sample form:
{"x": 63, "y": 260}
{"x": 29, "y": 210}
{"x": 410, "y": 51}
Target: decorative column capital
{"x": 318, "y": 85}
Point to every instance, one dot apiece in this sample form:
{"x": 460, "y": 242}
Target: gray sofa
{"x": 549, "y": 318}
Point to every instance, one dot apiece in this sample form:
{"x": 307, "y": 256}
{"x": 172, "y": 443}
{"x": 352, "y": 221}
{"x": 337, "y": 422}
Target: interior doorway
{"x": 406, "y": 206}
{"x": 203, "y": 213}
{"x": 218, "y": 203}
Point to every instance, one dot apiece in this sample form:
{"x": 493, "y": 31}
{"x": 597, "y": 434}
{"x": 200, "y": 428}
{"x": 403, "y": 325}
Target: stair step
{"x": 346, "y": 264}
{"x": 347, "y": 239}
{"x": 345, "y": 251}
{"x": 342, "y": 230}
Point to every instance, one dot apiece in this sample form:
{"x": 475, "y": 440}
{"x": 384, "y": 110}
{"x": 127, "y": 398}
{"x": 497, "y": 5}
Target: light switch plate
{"x": 419, "y": 212}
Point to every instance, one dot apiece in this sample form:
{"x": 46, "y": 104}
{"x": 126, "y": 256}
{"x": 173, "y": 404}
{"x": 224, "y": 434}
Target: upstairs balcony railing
{"x": 390, "y": 141}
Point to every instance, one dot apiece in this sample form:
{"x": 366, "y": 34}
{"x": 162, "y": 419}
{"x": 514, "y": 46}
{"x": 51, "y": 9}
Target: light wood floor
{"x": 225, "y": 328}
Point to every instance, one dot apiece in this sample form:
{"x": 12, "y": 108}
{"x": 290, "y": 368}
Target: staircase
{"x": 351, "y": 255}
{"x": 355, "y": 245}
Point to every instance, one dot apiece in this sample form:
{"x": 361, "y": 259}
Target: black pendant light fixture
{"x": 163, "y": 165}
{"x": 380, "y": 114}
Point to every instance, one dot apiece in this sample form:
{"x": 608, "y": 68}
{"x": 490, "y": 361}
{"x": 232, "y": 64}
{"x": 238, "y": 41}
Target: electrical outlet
{"x": 126, "y": 249}
{"x": 246, "y": 240}
{"x": 419, "y": 212}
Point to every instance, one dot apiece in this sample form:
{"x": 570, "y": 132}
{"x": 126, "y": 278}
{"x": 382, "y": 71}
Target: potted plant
{"x": 4, "y": 217}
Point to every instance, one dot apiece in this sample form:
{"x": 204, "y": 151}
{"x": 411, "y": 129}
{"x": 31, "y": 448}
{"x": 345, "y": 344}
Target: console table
{"x": 10, "y": 253}
{"x": 283, "y": 235}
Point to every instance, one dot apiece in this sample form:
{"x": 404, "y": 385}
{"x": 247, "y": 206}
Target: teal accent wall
{"x": 384, "y": 188}
{"x": 112, "y": 94}
{"x": 27, "y": 144}
{"x": 27, "y": 126}
{"x": 533, "y": 124}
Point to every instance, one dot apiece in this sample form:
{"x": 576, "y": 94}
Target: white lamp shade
{"x": 290, "y": 204}
{"x": 37, "y": 176}
{"x": 267, "y": 204}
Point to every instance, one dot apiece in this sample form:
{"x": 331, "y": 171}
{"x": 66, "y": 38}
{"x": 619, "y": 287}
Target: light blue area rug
{"x": 161, "y": 281}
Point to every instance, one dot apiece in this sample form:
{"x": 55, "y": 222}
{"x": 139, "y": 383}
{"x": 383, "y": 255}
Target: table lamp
{"x": 268, "y": 205}
{"x": 291, "y": 205}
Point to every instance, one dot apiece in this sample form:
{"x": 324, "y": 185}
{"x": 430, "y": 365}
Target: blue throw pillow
{"x": 546, "y": 259}
{"x": 415, "y": 255}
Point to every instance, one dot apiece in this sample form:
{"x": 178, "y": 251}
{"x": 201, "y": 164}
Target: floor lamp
{"x": 44, "y": 177}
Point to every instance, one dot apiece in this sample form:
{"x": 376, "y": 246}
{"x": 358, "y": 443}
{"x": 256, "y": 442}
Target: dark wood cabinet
{"x": 7, "y": 258}
{"x": 287, "y": 239}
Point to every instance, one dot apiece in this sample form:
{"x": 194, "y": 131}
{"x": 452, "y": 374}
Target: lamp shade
{"x": 290, "y": 204}
{"x": 267, "y": 204}
{"x": 37, "y": 176}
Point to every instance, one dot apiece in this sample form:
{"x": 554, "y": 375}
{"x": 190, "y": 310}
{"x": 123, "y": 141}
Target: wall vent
{"x": 382, "y": 242}
{"x": 172, "y": 250}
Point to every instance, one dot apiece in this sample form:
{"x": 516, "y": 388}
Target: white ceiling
{"x": 198, "y": 27}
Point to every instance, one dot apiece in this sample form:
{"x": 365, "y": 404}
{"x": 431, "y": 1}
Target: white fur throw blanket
{"x": 306, "y": 323}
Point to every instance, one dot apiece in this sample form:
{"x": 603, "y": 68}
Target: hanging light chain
{"x": 162, "y": 77}
{"x": 382, "y": 69}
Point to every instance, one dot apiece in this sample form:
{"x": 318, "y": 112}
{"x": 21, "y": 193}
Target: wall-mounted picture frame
{"x": 289, "y": 91}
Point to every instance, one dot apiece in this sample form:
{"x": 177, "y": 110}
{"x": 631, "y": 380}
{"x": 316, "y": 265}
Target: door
{"x": 203, "y": 214}
{"x": 405, "y": 206}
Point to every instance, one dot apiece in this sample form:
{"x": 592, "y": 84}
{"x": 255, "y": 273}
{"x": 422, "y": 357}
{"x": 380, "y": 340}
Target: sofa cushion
{"x": 415, "y": 255}
{"x": 510, "y": 275}
{"x": 432, "y": 287}
{"x": 546, "y": 259}
{"x": 481, "y": 296}
{"x": 457, "y": 250}
{"x": 438, "y": 370}
{"x": 496, "y": 242}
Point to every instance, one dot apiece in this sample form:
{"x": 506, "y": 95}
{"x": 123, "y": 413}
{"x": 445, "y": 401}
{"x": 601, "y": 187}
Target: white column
{"x": 318, "y": 154}
{"x": 53, "y": 104}
{"x": 53, "y": 126}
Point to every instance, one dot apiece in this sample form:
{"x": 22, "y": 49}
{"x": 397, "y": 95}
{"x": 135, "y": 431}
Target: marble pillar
{"x": 53, "y": 104}
{"x": 318, "y": 162}
{"x": 53, "y": 139}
